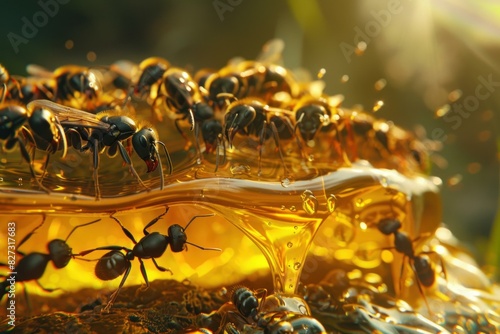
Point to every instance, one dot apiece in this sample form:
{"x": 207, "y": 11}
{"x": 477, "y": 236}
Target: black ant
{"x": 32, "y": 266}
{"x": 153, "y": 245}
{"x": 420, "y": 263}
{"x": 104, "y": 130}
{"x": 254, "y": 118}
{"x": 45, "y": 132}
{"x": 254, "y": 311}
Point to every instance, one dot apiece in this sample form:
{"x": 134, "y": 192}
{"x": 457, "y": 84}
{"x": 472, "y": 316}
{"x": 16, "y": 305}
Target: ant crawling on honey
{"x": 256, "y": 312}
{"x": 419, "y": 262}
{"x": 103, "y": 130}
{"x": 118, "y": 261}
{"x": 32, "y": 266}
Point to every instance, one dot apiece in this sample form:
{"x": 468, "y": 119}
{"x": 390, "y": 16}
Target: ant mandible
{"x": 153, "y": 245}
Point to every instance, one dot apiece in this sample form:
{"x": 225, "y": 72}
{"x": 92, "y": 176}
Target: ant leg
{"x": 261, "y": 144}
{"x": 154, "y": 221}
{"x": 144, "y": 274}
{"x": 26, "y": 157}
{"x": 401, "y": 276}
{"x": 421, "y": 290}
{"x": 160, "y": 268}
{"x": 113, "y": 296}
{"x": 28, "y": 300}
{"x": 128, "y": 161}
{"x": 95, "y": 148}
{"x": 221, "y": 145}
{"x": 277, "y": 141}
{"x": 262, "y": 294}
{"x": 29, "y": 236}
{"x": 124, "y": 229}
{"x": 197, "y": 141}
{"x": 88, "y": 251}
{"x": 183, "y": 134}
{"x": 46, "y": 289}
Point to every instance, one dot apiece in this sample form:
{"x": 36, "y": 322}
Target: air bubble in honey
{"x": 309, "y": 202}
{"x": 285, "y": 183}
{"x": 296, "y": 266}
{"x": 331, "y": 203}
{"x": 289, "y": 244}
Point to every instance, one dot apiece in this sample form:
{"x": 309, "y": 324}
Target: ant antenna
{"x": 81, "y": 225}
{"x": 198, "y": 246}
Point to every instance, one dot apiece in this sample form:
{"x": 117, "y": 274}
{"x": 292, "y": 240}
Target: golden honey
{"x": 289, "y": 210}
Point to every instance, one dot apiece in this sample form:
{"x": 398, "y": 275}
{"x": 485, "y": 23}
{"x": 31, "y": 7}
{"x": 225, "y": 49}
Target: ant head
{"x": 388, "y": 225}
{"x": 309, "y": 120}
{"x": 210, "y": 131}
{"x": 203, "y": 111}
{"x": 178, "y": 238}
{"x": 59, "y": 252}
{"x": 144, "y": 142}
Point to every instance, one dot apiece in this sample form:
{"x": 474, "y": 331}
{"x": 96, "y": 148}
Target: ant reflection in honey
{"x": 420, "y": 263}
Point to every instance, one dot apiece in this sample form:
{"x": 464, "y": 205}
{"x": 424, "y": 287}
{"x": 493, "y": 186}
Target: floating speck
{"x": 380, "y": 84}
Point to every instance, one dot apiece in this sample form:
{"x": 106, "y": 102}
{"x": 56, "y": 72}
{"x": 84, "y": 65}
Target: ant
{"x": 153, "y": 245}
{"x": 5, "y": 78}
{"x": 419, "y": 262}
{"x": 104, "y": 130}
{"x": 45, "y": 132}
{"x": 32, "y": 266}
{"x": 254, "y": 118}
{"x": 254, "y": 311}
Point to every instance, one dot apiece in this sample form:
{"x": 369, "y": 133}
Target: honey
{"x": 300, "y": 205}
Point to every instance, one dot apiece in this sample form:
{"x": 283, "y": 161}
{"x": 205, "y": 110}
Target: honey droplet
{"x": 309, "y": 202}
{"x": 331, "y": 203}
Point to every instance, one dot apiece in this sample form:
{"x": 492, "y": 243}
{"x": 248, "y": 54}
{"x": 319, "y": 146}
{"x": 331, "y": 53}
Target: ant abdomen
{"x": 111, "y": 265}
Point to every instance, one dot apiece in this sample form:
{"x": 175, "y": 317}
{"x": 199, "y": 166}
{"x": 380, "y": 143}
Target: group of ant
{"x": 246, "y": 308}
{"x": 257, "y": 100}
{"x": 116, "y": 262}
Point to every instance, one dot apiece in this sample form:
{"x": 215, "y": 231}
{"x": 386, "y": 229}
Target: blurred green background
{"x": 424, "y": 49}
